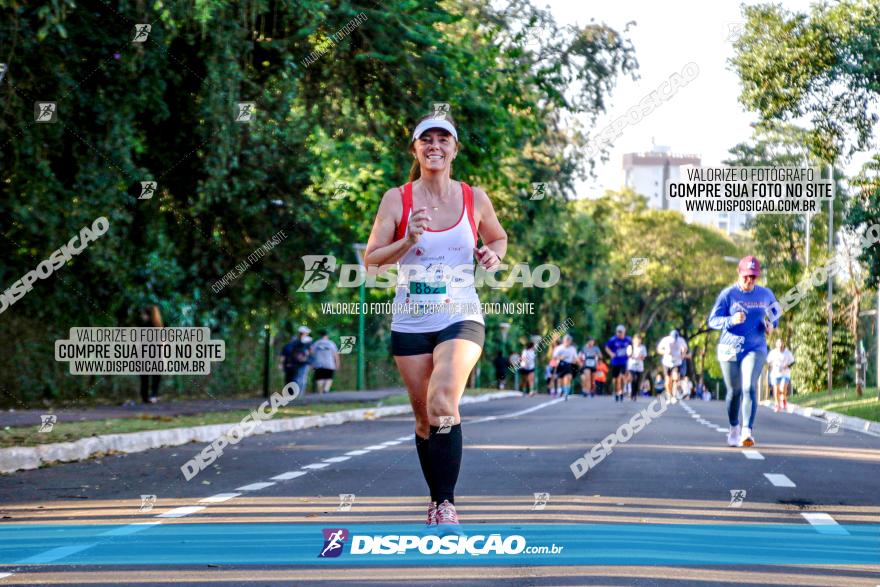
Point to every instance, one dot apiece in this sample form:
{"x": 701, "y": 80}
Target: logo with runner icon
{"x": 147, "y": 503}
{"x": 832, "y": 425}
{"x": 319, "y": 268}
{"x": 346, "y": 344}
{"x": 334, "y": 540}
{"x": 47, "y": 422}
{"x": 541, "y": 500}
{"x": 737, "y": 497}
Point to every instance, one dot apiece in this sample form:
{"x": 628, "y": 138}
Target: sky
{"x": 704, "y": 117}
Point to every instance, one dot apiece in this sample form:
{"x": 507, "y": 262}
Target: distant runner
{"x": 527, "y": 369}
{"x": 616, "y": 349}
{"x": 672, "y": 348}
{"x": 780, "y": 360}
{"x": 588, "y": 359}
{"x": 635, "y": 365}
{"x": 566, "y": 354}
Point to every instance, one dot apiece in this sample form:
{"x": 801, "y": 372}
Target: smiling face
{"x": 435, "y": 150}
{"x": 747, "y": 282}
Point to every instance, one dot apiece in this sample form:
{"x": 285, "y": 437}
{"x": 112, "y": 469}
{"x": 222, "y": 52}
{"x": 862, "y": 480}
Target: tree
{"x": 809, "y": 344}
{"x": 337, "y": 87}
{"x": 824, "y": 65}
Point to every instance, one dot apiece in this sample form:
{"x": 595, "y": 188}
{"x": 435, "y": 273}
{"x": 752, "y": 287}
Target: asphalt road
{"x": 676, "y": 471}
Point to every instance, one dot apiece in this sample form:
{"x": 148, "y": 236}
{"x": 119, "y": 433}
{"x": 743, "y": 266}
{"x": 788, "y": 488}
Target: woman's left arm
{"x": 490, "y": 230}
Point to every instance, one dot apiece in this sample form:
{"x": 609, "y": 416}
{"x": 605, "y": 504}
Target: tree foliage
{"x": 336, "y": 125}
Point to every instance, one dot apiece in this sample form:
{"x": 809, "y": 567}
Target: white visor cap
{"x": 430, "y": 123}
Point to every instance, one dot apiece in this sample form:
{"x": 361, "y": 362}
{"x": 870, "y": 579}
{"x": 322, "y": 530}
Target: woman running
{"x": 428, "y": 226}
{"x": 566, "y": 354}
{"x": 740, "y": 313}
{"x": 589, "y": 361}
{"x": 527, "y": 369}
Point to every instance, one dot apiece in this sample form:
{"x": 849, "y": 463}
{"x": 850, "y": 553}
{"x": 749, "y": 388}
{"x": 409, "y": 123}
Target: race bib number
{"x": 427, "y": 293}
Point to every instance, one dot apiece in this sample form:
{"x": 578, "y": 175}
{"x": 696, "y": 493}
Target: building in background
{"x": 647, "y": 173}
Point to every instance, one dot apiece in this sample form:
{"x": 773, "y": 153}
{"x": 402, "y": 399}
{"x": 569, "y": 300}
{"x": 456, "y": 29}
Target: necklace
{"x": 439, "y": 198}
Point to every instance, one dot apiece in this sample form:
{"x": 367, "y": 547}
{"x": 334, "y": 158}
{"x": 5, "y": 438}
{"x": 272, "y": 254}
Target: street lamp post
{"x": 359, "y": 250}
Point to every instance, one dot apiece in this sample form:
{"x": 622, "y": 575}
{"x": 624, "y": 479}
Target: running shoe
{"x": 733, "y": 436}
{"x": 447, "y": 519}
{"x": 775, "y": 407}
{"x": 432, "y": 515}
{"x": 746, "y": 438}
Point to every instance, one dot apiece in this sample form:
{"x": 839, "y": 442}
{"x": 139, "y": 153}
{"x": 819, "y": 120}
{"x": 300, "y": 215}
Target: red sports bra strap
{"x": 406, "y": 198}
{"x": 469, "y": 207}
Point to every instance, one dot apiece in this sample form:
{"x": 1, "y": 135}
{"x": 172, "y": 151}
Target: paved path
{"x": 261, "y": 492}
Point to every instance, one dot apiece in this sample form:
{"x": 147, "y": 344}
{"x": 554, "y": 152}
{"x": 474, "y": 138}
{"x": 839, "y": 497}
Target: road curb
{"x": 32, "y": 457}
{"x": 847, "y": 422}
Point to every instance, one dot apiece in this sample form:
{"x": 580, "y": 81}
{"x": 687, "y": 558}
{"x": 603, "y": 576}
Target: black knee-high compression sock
{"x": 424, "y": 461}
{"x": 444, "y": 451}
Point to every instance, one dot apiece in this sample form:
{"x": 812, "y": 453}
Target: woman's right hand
{"x": 738, "y": 318}
{"x": 417, "y": 225}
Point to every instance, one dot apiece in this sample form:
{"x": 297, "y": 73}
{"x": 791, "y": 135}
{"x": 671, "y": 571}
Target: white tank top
{"x": 440, "y": 291}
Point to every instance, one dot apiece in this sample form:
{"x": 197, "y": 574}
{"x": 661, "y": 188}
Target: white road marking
{"x": 779, "y": 480}
{"x": 392, "y": 442}
{"x": 824, "y": 523}
{"x": 519, "y": 413}
{"x": 316, "y": 466}
{"x": 129, "y": 529}
{"x": 356, "y": 453}
{"x": 288, "y": 475}
{"x": 55, "y": 554}
{"x": 219, "y": 498}
{"x": 182, "y": 511}
{"x": 255, "y": 486}
{"x": 404, "y": 438}
{"x": 375, "y": 447}
{"x": 751, "y": 453}
{"x": 720, "y": 429}
{"x": 336, "y": 459}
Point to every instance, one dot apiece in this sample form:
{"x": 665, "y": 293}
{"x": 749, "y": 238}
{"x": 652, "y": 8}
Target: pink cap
{"x": 749, "y": 265}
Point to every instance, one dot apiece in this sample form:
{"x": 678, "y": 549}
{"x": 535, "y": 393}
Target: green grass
{"x": 844, "y": 401}
{"x": 70, "y": 431}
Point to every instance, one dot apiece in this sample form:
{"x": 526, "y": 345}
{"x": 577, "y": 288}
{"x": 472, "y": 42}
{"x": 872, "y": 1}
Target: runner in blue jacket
{"x": 740, "y": 313}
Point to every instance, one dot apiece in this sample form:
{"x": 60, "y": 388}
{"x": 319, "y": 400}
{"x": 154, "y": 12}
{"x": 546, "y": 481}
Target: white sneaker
{"x": 746, "y": 438}
{"x": 733, "y": 436}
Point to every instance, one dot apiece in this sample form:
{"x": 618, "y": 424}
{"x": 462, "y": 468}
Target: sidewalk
{"x": 183, "y": 407}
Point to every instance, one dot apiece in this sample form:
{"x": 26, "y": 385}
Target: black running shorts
{"x": 324, "y": 374}
{"x": 404, "y": 344}
{"x": 565, "y": 368}
{"x": 617, "y": 370}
